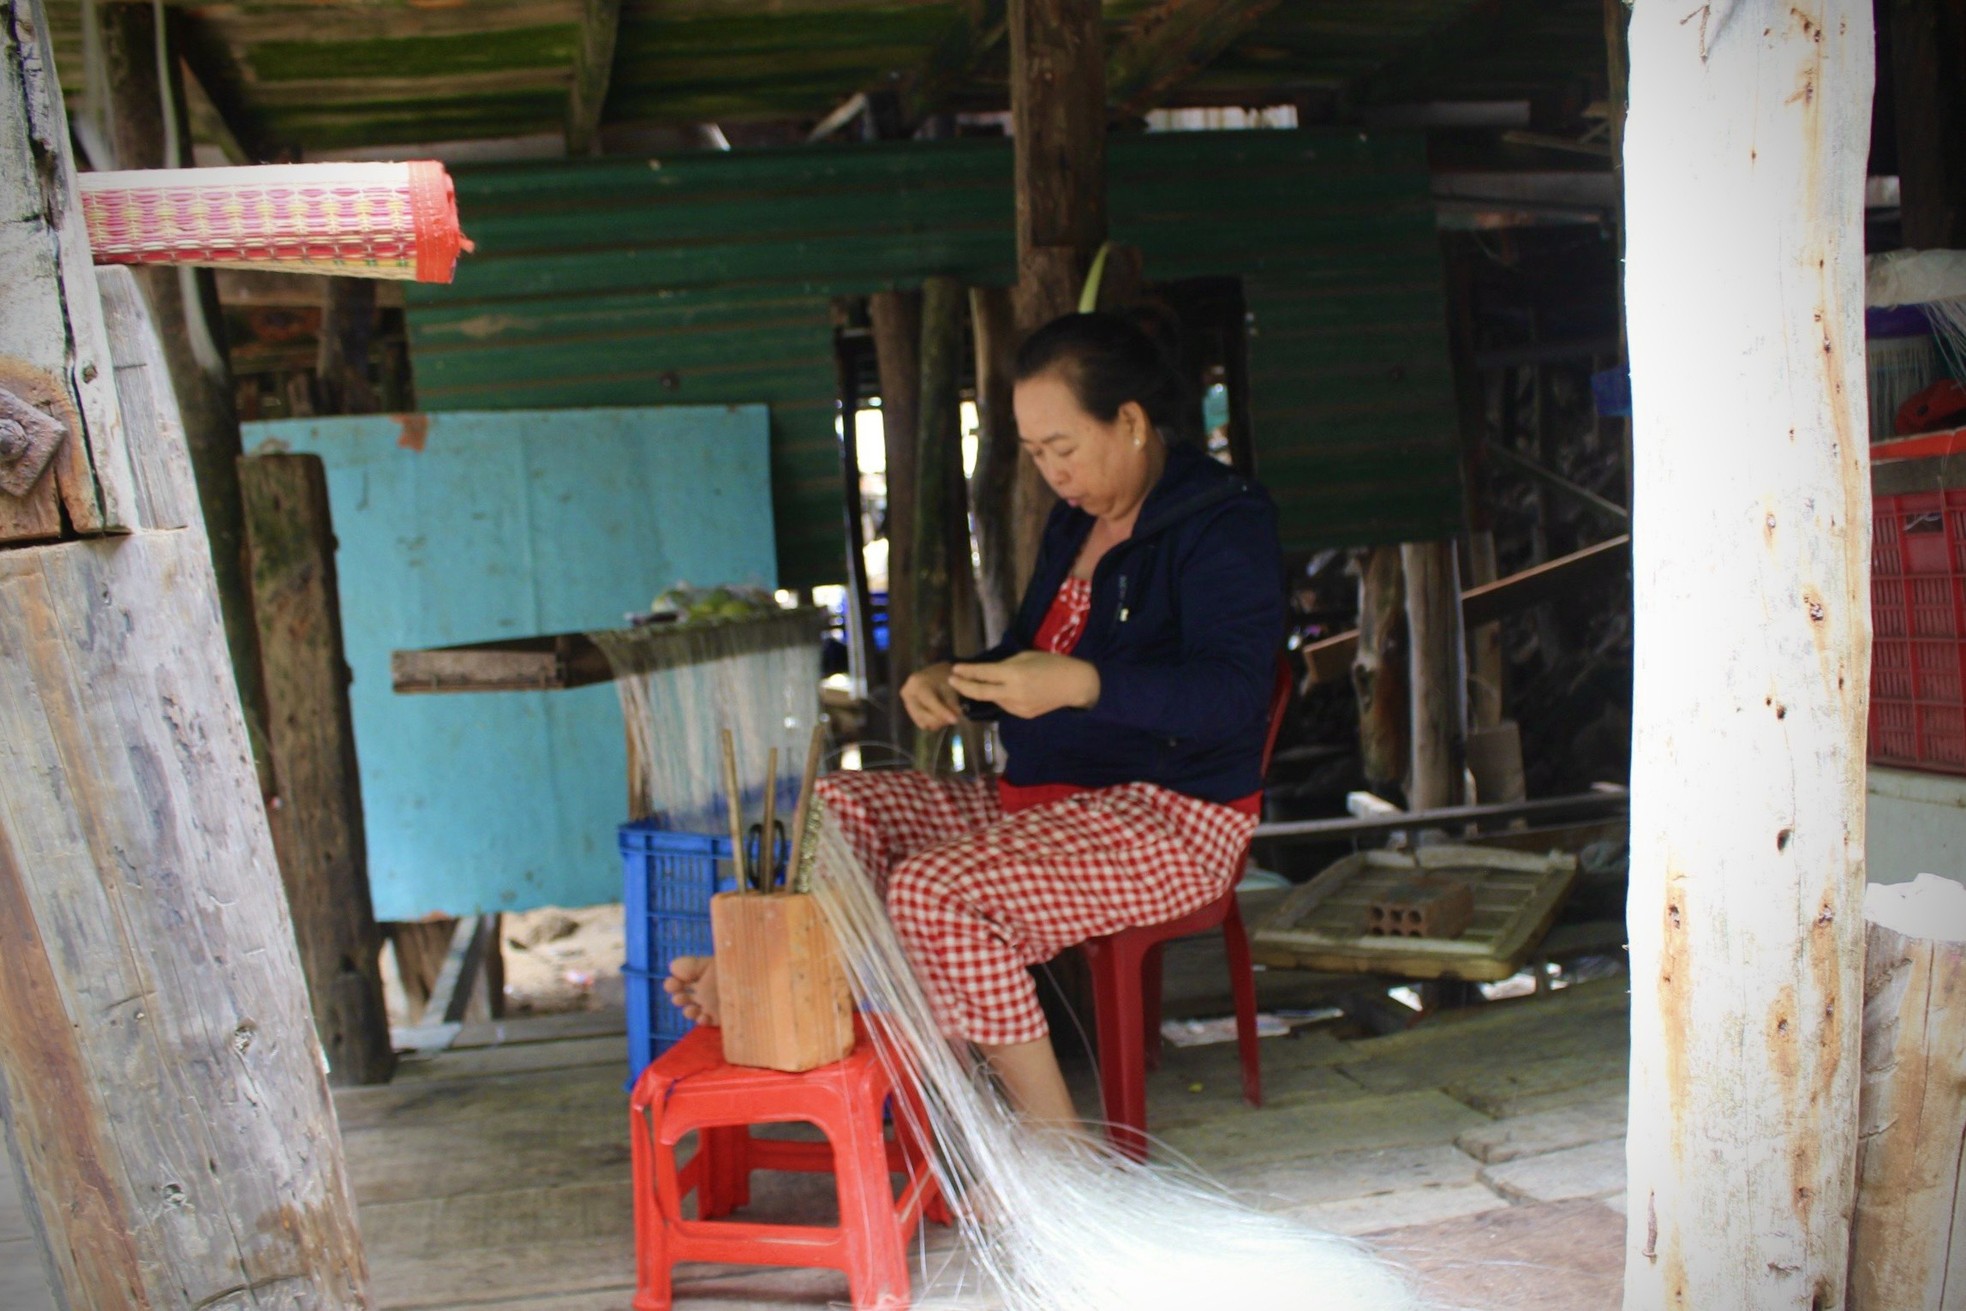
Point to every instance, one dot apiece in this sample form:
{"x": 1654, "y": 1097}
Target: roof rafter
{"x": 1172, "y": 42}
{"x": 593, "y": 66}
{"x": 1480, "y": 28}
{"x": 979, "y": 27}
{"x": 210, "y": 63}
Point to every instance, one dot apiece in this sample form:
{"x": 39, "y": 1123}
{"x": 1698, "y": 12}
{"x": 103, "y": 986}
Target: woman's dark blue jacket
{"x": 1186, "y": 625}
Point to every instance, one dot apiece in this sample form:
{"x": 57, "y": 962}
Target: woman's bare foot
{"x": 692, "y": 985}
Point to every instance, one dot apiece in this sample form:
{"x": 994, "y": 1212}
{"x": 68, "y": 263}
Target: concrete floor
{"x": 1483, "y": 1149}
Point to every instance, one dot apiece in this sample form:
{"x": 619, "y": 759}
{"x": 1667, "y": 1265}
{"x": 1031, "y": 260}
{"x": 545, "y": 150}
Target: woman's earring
{"x": 1139, "y": 443}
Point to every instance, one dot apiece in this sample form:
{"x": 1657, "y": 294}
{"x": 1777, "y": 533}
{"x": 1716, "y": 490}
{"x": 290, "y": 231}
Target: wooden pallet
{"x": 1321, "y": 925}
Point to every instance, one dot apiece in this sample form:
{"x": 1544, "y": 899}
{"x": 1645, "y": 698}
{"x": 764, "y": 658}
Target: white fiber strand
{"x": 681, "y": 686}
{"x": 1055, "y": 1220}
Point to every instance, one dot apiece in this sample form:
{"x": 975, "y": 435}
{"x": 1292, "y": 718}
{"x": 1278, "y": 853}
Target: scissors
{"x": 765, "y": 867}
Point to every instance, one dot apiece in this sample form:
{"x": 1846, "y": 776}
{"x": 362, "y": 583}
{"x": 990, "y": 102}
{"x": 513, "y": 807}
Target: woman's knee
{"x": 917, "y": 895}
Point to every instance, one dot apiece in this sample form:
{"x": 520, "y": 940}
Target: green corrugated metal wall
{"x": 706, "y": 278}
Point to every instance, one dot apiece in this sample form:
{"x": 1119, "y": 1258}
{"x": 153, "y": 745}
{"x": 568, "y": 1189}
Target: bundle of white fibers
{"x": 1063, "y": 1221}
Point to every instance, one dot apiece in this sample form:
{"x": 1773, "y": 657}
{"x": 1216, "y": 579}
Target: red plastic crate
{"x": 1918, "y": 618}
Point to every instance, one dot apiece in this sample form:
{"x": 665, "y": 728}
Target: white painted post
{"x": 1744, "y": 173}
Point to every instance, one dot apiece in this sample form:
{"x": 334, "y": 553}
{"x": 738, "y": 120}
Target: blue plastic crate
{"x": 667, "y": 880}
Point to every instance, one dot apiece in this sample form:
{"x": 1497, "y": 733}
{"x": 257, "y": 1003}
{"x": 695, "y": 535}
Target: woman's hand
{"x": 929, "y": 700}
{"x": 1030, "y": 683}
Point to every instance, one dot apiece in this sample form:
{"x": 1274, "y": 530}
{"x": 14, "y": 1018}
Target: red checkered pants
{"x": 978, "y": 896}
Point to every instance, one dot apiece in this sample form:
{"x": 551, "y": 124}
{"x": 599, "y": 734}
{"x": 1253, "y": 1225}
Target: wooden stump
{"x": 1908, "y": 1233}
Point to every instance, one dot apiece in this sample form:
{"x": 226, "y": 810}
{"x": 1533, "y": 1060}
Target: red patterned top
{"x": 1059, "y": 633}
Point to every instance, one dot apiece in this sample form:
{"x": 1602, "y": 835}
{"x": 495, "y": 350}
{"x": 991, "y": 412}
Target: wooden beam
{"x": 1058, "y": 120}
{"x": 1928, "y": 49}
{"x": 184, "y": 306}
{"x": 208, "y": 58}
{"x": 1582, "y": 805}
{"x": 1475, "y": 30}
{"x": 1745, "y": 157}
{"x": 557, "y": 661}
{"x": 1378, "y": 669}
{"x": 593, "y": 67}
{"x": 937, "y": 472}
{"x": 1331, "y": 657}
{"x": 342, "y": 384}
{"x": 1171, "y": 42}
{"x": 1609, "y": 510}
{"x": 994, "y": 332}
{"x": 159, "y": 1074}
{"x": 977, "y": 29}
{"x": 1437, "y": 682}
{"x": 311, "y": 736}
{"x": 859, "y": 596}
{"x": 54, "y": 355}
{"x": 896, "y": 317}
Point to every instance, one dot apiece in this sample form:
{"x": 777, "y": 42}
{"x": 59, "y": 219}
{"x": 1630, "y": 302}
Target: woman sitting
{"x": 1132, "y": 688}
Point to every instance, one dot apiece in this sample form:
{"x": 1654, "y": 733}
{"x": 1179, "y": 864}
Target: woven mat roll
{"x": 353, "y": 220}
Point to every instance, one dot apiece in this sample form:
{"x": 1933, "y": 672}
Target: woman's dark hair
{"x": 1107, "y": 361}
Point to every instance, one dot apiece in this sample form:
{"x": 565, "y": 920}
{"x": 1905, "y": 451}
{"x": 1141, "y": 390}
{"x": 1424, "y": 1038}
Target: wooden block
{"x": 783, "y": 993}
{"x": 1422, "y": 908}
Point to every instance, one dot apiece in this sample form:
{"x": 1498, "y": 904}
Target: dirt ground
{"x": 559, "y": 960}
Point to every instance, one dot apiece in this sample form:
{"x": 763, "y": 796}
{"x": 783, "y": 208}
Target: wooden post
{"x": 1908, "y": 1234}
{"x": 1744, "y": 174}
{"x": 593, "y": 68}
{"x": 184, "y": 305}
{"x": 1437, "y": 690}
{"x": 347, "y": 328}
{"x": 1379, "y": 669}
{"x": 897, "y": 321}
{"x": 159, "y": 1074}
{"x": 1485, "y": 660}
{"x": 994, "y": 330}
{"x": 1058, "y": 122}
{"x": 1928, "y": 47}
{"x": 1487, "y": 668}
{"x": 938, "y": 470}
{"x": 324, "y": 860}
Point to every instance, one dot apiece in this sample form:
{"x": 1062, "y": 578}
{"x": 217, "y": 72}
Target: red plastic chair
{"x": 691, "y": 1087}
{"x": 1126, "y": 987}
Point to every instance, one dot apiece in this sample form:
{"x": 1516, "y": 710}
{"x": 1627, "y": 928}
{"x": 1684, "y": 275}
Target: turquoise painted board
{"x": 466, "y": 527}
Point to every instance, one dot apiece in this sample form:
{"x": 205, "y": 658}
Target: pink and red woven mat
{"x": 352, "y": 220}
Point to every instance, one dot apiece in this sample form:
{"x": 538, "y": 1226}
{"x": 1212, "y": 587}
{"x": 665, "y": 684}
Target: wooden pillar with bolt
{"x": 159, "y": 1075}
{"x": 1745, "y": 152}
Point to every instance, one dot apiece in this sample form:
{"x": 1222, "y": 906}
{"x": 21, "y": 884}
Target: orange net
{"x": 353, "y": 220}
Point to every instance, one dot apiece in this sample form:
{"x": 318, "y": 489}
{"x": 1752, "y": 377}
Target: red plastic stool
{"x": 690, "y": 1087}
{"x": 1126, "y": 987}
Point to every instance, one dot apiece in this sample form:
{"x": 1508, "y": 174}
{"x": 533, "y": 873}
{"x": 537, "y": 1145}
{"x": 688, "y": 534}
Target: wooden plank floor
{"x": 1483, "y": 1150}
